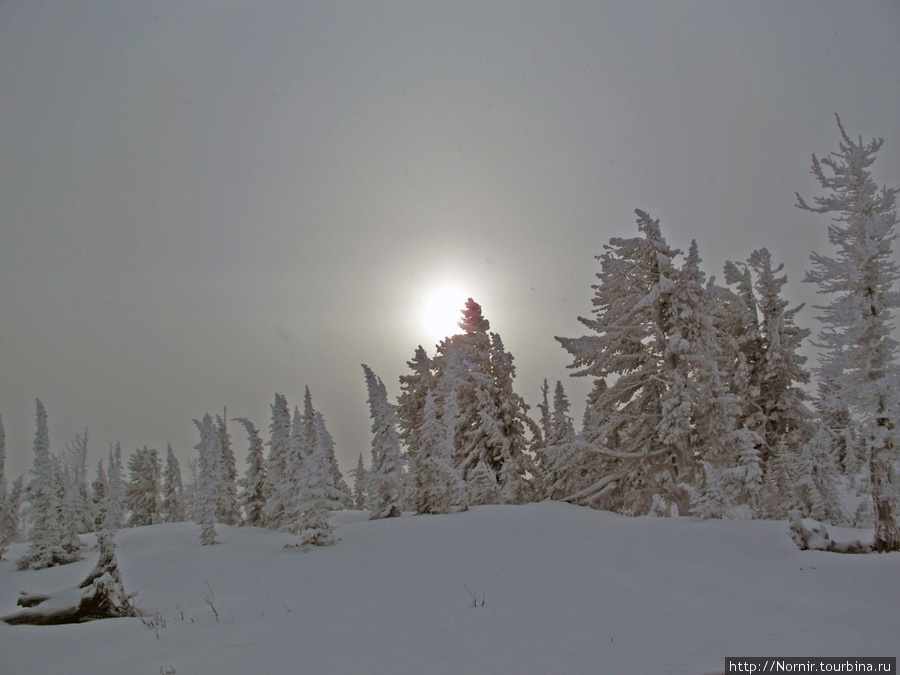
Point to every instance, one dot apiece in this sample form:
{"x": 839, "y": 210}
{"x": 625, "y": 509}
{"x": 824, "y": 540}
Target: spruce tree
{"x": 385, "y": 479}
{"x": 115, "y": 502}
{"x": 77, "y": 501}
{"x": 254, "y": 484}
{"x": 859, "y": 357}
{"x": 46, "y": 536}
{"x": 360, "y": 480}
{"x": 279, "y": 440}
{"x": 227, "y": 508}
{"x": 318, "y": 495}
{"x": 172, "y": 507}
{"x": 475, "y": 367}
{"x": 206, "y": 499}
{"x": 142, "y": 490}
{"x": 438, "y": 487}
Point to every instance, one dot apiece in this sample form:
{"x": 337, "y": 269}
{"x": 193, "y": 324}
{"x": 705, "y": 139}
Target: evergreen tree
{"x": 227, "y": 508}
{"x": 438, "y": 487}
{"x": 46, "y": 535}
{"x": 475, "y": 367}
{"x": 99, "y": 493}
{"x": 318, "y": 495}
{"x": 142, "y": 491}
{"x": 254, "y": 485}
{"x": 115, "y": 502}
{"x": 483, "y": 486}
{"x": 860, "y": 354}
{"x": 335, "y": 477}
{"x": 206, "y": 499}
{"x": 637, "y": 423}
{"x": 172, "y": 507}
{"x": 279, "y": 440}
{"x": 414, "y": 390}
{"x": 297, "y": 455}
{"x": 190, "y": 489}
{"x": 385, "y": 480}
{"x": 77, "y": 501}
{"x": 360, "y": 480}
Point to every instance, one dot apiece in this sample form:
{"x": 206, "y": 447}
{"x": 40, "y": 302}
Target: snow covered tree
{"x": 46, "y": 536}
{"x": 279, "y": 440}
{"x": 774, "y": 401}
{"x": 207, "y": 479}
{"x": 77, "y": 502}
{"x": 297, "y": 454}
{"x": 254, "y": 486}
{"x": 172, "y": 507}
{"x": 14, "y": 499}
{"x": 662, "y": 401}
{"x": 475, "y": 367}
{"x": 438, "y": 487}
{"x": 640, "y": 414}
{"x": 414, "y": 390}
{"x": 99, "y": 490}
{"x": 385, "y": 479}
{"x": 483, "y": 486}
{"x": 115, "y": 498}
{"x": 360, "y": 480}
{"x": 317, "y": 493}
{"x": 227, "y": 508}
{"x": 335, "y": 477}
{"x": 142, "y": 491}
{"x": 860, "y": 354}
{"x": 190, "y": 489}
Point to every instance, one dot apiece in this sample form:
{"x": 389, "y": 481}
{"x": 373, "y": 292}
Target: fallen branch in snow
{"x": 816, "y": 538}
{"x": 100, "y": 596}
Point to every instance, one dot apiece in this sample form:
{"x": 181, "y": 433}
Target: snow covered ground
{"x": 557, "y": 588}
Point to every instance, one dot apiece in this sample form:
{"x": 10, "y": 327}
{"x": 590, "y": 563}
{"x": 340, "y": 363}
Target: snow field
{"x": 565, "y": 590}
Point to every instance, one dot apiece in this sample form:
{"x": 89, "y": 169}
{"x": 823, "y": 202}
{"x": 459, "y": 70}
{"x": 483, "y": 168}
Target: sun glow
{"x": 443, "y": 311}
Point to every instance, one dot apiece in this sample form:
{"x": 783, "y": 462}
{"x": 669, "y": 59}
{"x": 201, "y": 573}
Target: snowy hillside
{"x": 556, "y": 588}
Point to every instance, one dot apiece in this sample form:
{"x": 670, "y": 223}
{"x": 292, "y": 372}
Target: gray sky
{"x": 205, "y": 203}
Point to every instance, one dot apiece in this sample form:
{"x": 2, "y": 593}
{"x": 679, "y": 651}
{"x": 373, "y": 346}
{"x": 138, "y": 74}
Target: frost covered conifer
{"x": 771, "y": 375}
{"x": 227, "y": 508}
{"x": 385, "y": 479}
{"x": 860, "y": 355}
{"x": 637, "y": 422}
{"x": 360, "y": 480}
{"x": 172, "y": 507}
{"x": 438, "y": 487}
{"x": 297, "y": 455}
{"x": 279, "y": 440}
{"x": 115, "y": 500}
{"x": 254, "y": 486}
{"x": 77, "y": 502}
{"x": 206, "y": 499}
{"x": 483, "y": 486}
{"x": 335, "y": 477}
{"x": 99, "y": 490}
{"x": 475, "y": 367}
{"x": 142, "y": 491}
{"x": 317, "y": 494}
{"x": 46, "y": 536}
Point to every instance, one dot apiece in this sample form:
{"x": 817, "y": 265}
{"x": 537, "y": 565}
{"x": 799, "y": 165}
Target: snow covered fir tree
{"x": 858, "y": 367}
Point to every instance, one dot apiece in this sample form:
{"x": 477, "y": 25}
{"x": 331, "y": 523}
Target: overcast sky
{"x": 206, "y": 203}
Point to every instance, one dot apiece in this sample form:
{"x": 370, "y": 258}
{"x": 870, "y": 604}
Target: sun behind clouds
{"x": 443, "y": 311}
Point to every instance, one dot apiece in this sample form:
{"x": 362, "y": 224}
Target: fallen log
{"x": 100, "y": 596}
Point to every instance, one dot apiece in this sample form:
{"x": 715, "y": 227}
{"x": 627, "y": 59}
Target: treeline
{"x": 699, "y": 406}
